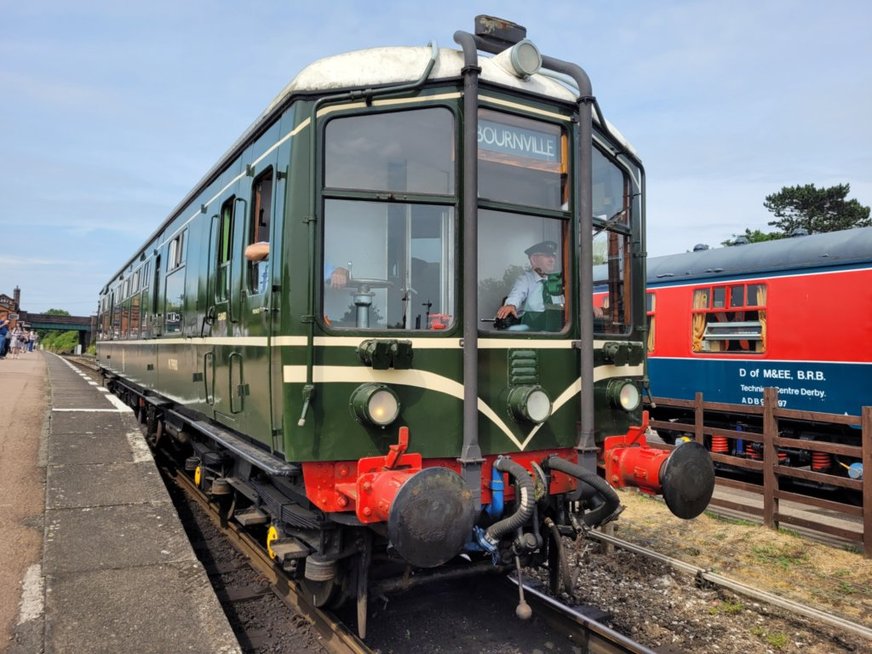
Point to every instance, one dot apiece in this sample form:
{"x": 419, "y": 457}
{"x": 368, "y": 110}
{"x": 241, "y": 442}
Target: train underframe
{"x": 346, "y": 529}
{"x": 730, "y": 443}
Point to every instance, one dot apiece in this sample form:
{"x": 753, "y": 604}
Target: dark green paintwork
{"x": 238, "y": 382}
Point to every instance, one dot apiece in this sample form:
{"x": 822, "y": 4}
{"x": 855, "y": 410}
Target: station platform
{"x": 116, "y": 571}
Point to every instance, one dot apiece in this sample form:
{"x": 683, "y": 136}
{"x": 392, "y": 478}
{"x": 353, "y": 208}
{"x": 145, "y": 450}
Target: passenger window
{"x": 176, "y": 251}
{"x": 258, "y": 232}
{"x": 739, "y": 326}
{"x": 225, "y": 248}
{"x": 116, "y": 312}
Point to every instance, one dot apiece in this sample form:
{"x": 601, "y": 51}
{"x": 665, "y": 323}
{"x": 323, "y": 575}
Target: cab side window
{"x": 258, "y": 231}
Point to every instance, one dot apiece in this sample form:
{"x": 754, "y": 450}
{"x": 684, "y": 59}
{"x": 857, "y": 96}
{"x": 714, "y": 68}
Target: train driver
{"x": 536, "y": 298}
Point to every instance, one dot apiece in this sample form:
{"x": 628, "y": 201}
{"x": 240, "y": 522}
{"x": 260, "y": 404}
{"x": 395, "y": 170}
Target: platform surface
{"x": 116, "y": 571}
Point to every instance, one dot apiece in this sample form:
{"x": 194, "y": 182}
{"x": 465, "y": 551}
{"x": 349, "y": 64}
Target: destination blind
{"x": 516, "y": 141}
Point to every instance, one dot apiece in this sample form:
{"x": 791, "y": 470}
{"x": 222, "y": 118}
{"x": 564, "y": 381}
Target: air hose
{"x": 525, "y": 500}
{"x": 591, "y": 485}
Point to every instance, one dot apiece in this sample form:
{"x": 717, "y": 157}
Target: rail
{"x": 771, "y": 469}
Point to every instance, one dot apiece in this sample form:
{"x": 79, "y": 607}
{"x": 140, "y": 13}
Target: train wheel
{"x": 322, "y": 581}
{"x": 322, "y": 593}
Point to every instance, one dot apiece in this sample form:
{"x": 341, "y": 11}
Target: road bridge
{"x": 86, "y": 326}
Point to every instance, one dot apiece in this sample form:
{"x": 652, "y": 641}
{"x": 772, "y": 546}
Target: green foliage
{"x": 727, "y": 607}
{"x": 816, "y": 209}
{"x": 752, "y": 236}
{"x": 60, "y": 342}
{"x": 775, "y": 639}
{"x": 57, "y": 312}
{"x": 785, "y": 556}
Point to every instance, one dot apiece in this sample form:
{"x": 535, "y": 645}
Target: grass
{"x": 732, "y": 521}
{"x": 775, "y": 639}
{"x": 727, "y": 607}
{"x": 784, "y": 556}
{"x": 847, "y": 588}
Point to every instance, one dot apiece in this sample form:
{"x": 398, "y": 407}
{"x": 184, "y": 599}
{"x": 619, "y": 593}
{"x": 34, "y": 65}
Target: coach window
{"x": 225, "y": 245}
{"x": 389, "y": 264}
{"x": 258, "y": 231}
{"x": 175, "y": 284}
{"x": 143, "y": 301}
{"x": 729, "y": 318}
{"x": 116, "y": 312}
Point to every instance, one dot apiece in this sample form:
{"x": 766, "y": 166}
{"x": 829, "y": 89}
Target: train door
{"x": 250, "y": 369}
{"x": 222, "y": 309}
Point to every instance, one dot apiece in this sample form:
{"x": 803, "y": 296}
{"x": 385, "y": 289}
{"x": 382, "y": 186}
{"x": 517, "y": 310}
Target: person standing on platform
{"x": 4, "y": 331}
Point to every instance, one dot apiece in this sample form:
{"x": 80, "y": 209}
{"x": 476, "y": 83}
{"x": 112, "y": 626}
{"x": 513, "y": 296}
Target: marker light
{"x": 525, "y": 58}
{"x": 625, "y": 394}
{"x": 530, "y": 403}
{"x": 376, "y": 404}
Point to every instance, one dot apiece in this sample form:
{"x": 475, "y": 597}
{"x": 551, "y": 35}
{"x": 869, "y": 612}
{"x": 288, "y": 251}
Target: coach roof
{"x": 842, "y": 248}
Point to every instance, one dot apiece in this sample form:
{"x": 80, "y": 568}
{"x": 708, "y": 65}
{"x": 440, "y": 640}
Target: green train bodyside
{"x": 299, "y": 328}
{"x": 243, "y": 362}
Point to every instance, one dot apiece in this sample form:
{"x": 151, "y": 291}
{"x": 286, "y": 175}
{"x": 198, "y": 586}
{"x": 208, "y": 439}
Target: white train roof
{"x": 374, "y": 67}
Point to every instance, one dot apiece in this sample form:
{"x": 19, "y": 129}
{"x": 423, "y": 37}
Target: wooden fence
{"x": 772, "y": 471}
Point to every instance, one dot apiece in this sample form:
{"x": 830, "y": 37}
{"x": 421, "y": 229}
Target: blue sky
{"x": 111, "y": 111}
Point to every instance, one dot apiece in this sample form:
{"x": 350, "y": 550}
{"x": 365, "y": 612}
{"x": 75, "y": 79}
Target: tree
{"x": 816, "y": 209}
{"x": 57, "y": 312}
{"x": 752, "y": 236}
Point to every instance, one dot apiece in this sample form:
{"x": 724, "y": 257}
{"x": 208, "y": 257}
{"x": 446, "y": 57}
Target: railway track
{"x": 579, "y": 631}
{"x": 572, "y": 626}
{"x": 705, "y": 576}
{"x": 336, "y": 637}
{"x": 565, "y": 622}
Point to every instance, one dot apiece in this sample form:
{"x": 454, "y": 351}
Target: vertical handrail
{"x": 770, "y": 458}
{"x": 866, "y": 444}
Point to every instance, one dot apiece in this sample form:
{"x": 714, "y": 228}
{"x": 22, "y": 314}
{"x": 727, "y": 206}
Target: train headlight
{"x": 525, "y": 58}
{"x": 530, "y": 403}
{"x": 624, "y": 394}
{"x": 376, "y": 404}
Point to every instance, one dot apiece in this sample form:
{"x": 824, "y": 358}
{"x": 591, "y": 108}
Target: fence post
{"x": 770, "y": 458}
{"x": 866, "y": 445}
{"x": 698, "y": 418}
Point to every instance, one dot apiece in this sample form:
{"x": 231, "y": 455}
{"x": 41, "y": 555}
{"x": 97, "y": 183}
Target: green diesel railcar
{"x": 372, "y": 326}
